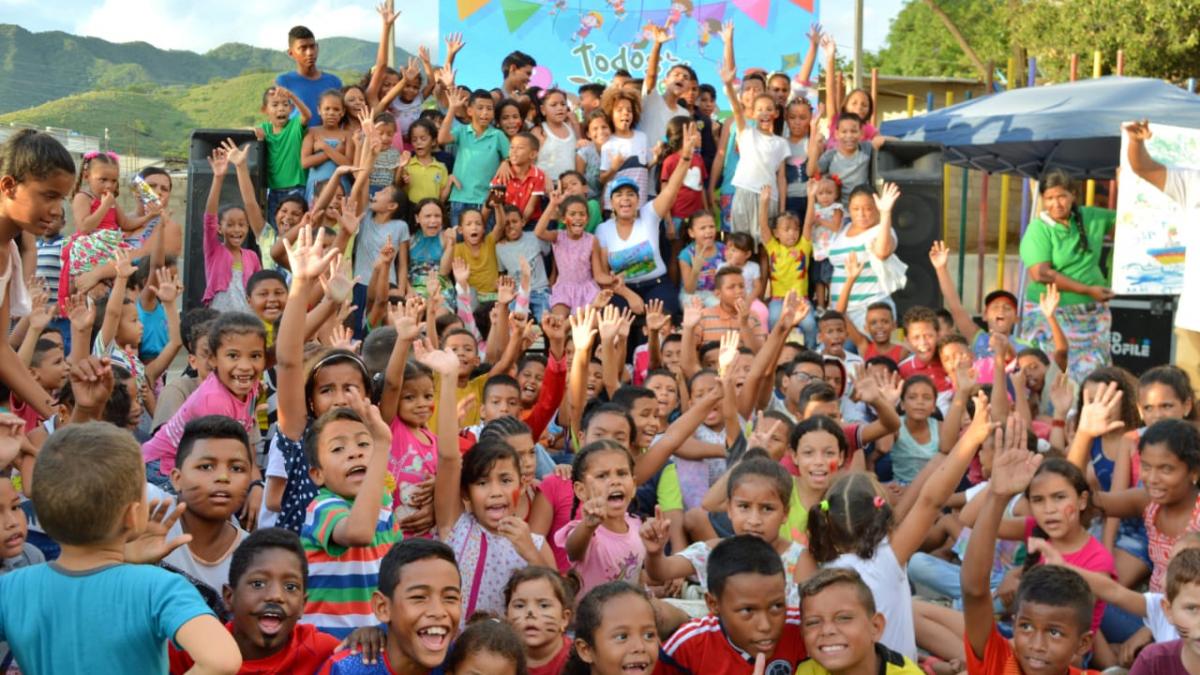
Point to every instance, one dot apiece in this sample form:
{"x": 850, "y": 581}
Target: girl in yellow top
{"x": 790, "y": 251}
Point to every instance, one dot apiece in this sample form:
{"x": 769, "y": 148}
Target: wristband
{"x": 1058, "y": 424}
{"x": 254, "y": 484}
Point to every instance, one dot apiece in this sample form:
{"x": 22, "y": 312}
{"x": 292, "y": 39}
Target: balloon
{"x": 541, "y": 77}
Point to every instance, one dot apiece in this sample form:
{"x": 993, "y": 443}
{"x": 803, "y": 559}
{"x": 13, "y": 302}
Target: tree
{"x": 920, "y": 42}
{"x": 1160, "y": 37}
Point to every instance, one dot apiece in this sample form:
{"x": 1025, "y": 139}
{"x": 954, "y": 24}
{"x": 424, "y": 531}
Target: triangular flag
{"x": 714, "y": 11}
{"x": 517, "y": 12}
{"x": 789, "y": 61}
{"x": 804, "y": 4}
{"x": 468, "y": 7}
{"x": 755, "y": 9}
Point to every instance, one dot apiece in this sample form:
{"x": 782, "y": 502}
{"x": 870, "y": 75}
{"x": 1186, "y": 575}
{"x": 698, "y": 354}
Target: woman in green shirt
{"x": 1062, "y": 246}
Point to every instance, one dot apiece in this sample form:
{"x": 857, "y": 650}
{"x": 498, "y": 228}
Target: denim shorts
{"x": 1132, "y": 538}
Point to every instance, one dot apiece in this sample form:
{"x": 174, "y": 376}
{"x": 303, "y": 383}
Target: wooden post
{"x": 1074, "y": 67}
{"x": 875, "y": 97}
{"x": 1112, "y": 184}
{"x": 912, "y": 105}
{"x": 945, "y": 178}
{"x": 962, "y": 226}
{"x": 1090, "y": 198}
{"x": 1025, "y": 205}
{"x": 1005, "y": 183}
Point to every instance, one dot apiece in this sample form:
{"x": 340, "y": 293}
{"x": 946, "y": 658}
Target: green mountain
{"x": 148, "y": 98}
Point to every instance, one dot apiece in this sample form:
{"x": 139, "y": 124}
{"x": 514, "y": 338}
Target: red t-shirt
{"x": 933, "y": 370}
{"x": 690, "y": 200}
{"x": 519, "y": 191}
{"x": 700, "y": 645}
{"x": 304, "y": 653}
{"x": 998, "y": 658}
{"x": 555, "y": 665}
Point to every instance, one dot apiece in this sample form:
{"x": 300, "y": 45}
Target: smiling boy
{"x": 748, "y": 616}
{"x": 1182, "y": 606}
{"x": 841, "y": 628}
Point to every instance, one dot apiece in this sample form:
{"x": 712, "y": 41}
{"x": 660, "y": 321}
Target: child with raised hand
{"x": 227, "y": 265}
{"x": 757, "y": 495}
{"x": 880, "y": 321}
{"x": 481, "y": 146}
{"x": 420, "y": 600}
{"x": 693, "y": 197}
{"x": 616, "y": 633}
{"x": 748, "y": 615}
{"x": 328, "y": 146}
{"x": 576, "y": 253}
{"x": 284, "y": 136}
{"x": 428, "y": 247}
{"x": 474, "y": 498}
{"x": 626, "y": 153}
{"x": 91, "y": 499}
{"x": 700, "y": 260}
{"x": 1052, "y": 607}
{"x": 350, "y": 524}
{"x": 762, "y": 158}
{"x": 540, "y": 605}
{"x": 789, "y": 252}
{"x": 478, "y": 249}
{"x": 423, "y": 176}
{"x": 842, "y": 628}
{"x": 604, "y": 544}
{"x": 823, "y": 217}
{"x": 405, "y": 98}
{"x": 853, "y": 527}
{"x": 521, "y": 256}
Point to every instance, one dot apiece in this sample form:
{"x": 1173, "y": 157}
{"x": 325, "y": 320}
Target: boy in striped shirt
{"x": 349, "y": 526}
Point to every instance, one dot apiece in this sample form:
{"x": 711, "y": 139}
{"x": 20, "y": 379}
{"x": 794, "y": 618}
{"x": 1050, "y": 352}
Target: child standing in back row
{"x": 284, "y": 135}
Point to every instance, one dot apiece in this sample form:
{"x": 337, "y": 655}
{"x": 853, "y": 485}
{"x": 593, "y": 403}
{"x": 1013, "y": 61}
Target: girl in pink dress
{"x": 576, "y": 253}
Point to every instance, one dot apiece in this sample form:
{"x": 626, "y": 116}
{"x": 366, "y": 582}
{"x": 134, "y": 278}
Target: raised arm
{"x": 406, "y": 321}
{"x": 810, "y": 58}
{"x": 166, "y": 289}
{"x": 447, "y": 495}
{"x": 1048, "y": 303}
{"x": 583, "y": 331}
{"x": 389, "y": 16}
{"x": 664, "y": 200}
{"x": 939, "y": 255}
{"x": 650, "y": 83}
{"x": 735, "y": 104}
{"x": 358, "y": 529}
{"x": 542, "y": 229}
{"x": 648, "y": 463}
{"x": 655, "y": 534}
{"x": 458, "y": 103}
{"x": 238, "y": 157}
{"x": 885, "y": 242}
{"x": 1145, "y": 166}
{"x": 854, "y": 267}
{"x": 116, "y": 300}
{"x": 610, "y": 320}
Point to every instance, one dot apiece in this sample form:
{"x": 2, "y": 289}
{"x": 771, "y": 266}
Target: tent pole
{"x": 1025, "y": 197}
{"x": 962, "y": 225}
{"x": 875, "y": 97}
{"x": 1090, "y": 198}
{"x": 1005, "y": 182}
{"x": 1112, "y": 184}
{"x": 981, "y": 244}
{"x": 945, "y": 178}
{"x": 912, "y": 105}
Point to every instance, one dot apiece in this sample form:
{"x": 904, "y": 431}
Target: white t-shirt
{"x": 656, "y": 113}
{"x": 759, "y": 158}
{"x": 1156, "y": 619}
{"x": 636, "y": 146}
{"x": 1183, "y": 186}
{"x": 888, "y": 581}
{"x": 750, "y": 274}
{"x": 213, "y": 573}
{"x": 867, "y": 288}
{"x": 638, "y": 256}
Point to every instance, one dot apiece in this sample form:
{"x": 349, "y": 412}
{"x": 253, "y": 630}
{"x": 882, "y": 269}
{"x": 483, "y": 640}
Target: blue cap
{"x": 622, "y": 182}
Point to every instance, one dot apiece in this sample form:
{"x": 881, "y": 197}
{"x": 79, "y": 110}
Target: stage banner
{"x": 576, "y": 42}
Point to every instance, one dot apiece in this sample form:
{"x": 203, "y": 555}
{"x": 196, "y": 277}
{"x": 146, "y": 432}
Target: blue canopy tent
{"x": 1074, "y": 126}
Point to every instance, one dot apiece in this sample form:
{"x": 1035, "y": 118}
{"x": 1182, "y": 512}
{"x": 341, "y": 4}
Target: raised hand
{"x": 728, "y": 353}
{"x": 1043, "y": 547}
{"x": 1013, "y": 465}
{"x": 462, "y": 272}
{"x": 454, "y": 44}
{"x": 1062, "y": 394}
{"x": 965, "y": 377}
{"x": 1099, "y": 409}
{"x": 691, "y": 313}
{"x": 381, "y": 433}
{"x": 554, "y": 327}
{"x": 660, "y": 35}
{"x": 81, "y": 312}
{"x": 656, "y": 319}
{"x": 152, "y": 544}
{"x": 853, "y": 266}
{"x": 388, "y": 14}
{"x": 655, "y": 532}
{"x": 218, "y": 161}
{"x": 583, "y": 330}
{"x": 125, "y": 266}
{"x": 167, "y": 286}
{"x": 12, "y": 431}
{"x": 458, "y": 99}
{"x": 341, "y": 337}
{"x": 814, "y": 33}
{"x": 887, "y": 198}
{"x": 506, "y": 289}
{"x": 338, "y": 285}
{"x": 237, "y": 156}
{"x": 981, "y": 424}
{"x": 307, "y": 257}
{"x": 939, "y": 255}
{"x": 441, "y": 361}
{"x": 610, "y": 320}
{"x": 760, "y": 437}
{"x": 1138, "y": 131}
{"x": 1048, "y": 300}
{"x": 387, "y": 253}
{"x": 728, "y": 74}
{"x": 526, "y": 274}
{"x": 727, "y": 31}
{"x": 764, "y": 196}
{"x": 593, "y": 511}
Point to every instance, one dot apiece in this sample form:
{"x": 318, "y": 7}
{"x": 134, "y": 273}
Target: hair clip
{"x": 825, "y": 505}
{"x": 879, "y": 501}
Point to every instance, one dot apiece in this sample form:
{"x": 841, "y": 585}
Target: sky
{"x": 200, "y": 26}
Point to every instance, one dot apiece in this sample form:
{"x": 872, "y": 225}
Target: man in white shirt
{"x": 658, "y": 109}
{"x": 1183, "y": 186}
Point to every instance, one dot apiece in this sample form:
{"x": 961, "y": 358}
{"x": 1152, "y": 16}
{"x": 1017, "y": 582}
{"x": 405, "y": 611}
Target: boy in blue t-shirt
{"x": 308, "y": 82}
{"x": 96, "y": 604}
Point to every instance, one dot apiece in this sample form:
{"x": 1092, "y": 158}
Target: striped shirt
{"x": 49, "y": 261}
{"x": 701, "y": 645}
{"x": 341, "y": 579}
{"x": 716, "y": 321}
{"x": 866, "y": 288}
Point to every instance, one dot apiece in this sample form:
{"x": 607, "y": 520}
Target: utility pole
{"x": 858, "y": 43}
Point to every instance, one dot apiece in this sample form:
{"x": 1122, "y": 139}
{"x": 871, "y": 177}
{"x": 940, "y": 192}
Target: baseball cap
{"x": 1001, "y": 294}
{"x": 625, "y": 181}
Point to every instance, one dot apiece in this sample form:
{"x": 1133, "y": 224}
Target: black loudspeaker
{"x": 917, "y": 169}
{"x": 203, "y": 142}
{"x": 1142, "y": 331}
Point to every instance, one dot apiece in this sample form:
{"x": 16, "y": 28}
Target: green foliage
{"x": 1161, "y": 38}
{"x": 919, "y": 45}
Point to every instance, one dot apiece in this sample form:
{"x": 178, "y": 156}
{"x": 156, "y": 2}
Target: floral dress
{"x": 575, "y": 286}
{"x": 485, "y": 561}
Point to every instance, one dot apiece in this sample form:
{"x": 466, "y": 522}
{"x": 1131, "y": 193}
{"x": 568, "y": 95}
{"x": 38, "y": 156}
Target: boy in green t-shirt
{"x": 284, "y": 135}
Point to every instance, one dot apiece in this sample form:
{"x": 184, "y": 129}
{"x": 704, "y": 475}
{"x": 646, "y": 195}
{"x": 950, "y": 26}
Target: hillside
{"x": 54, "y": 78}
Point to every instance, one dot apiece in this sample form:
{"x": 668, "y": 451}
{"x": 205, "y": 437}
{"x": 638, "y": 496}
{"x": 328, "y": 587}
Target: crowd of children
{"x": 500, "y": 382}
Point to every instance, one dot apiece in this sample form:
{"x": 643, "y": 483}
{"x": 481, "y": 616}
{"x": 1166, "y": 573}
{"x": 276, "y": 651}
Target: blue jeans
{"x": 539, "y": 303}
{"x": 358, "y": 318}
{"x": 942, "y": 577}
{"x": 808, "y": 326}
{"x": 276, "y": 196}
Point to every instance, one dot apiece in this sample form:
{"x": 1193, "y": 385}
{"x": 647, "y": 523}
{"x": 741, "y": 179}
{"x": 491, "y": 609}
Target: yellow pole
{"x": 912, "y": 104}
{"x": 1091, "y": 184}
{"x": 1005, "y": 181}
{"x": 946, "y": 185}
